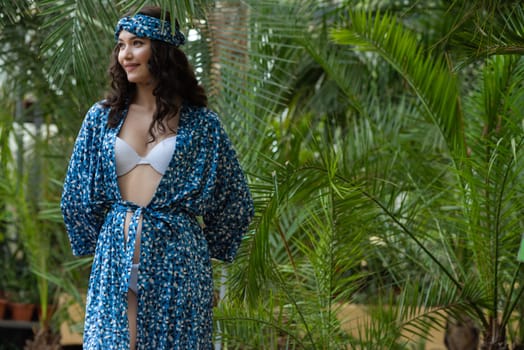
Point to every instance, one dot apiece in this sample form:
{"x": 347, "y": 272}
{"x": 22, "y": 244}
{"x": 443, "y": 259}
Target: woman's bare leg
{"x": 132, "y": 302}
{"x": 131, "y": 316}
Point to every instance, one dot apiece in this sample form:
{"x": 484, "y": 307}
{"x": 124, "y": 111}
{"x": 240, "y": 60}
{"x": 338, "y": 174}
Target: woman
{"x": 147, "y": 162}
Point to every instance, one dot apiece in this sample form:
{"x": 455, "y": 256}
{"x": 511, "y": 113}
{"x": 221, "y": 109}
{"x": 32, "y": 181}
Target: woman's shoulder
{"x": 98, "y": 112}
{"x": 201, "y": 115}
{"x": 200, "y": 112}
{"x": 99, "y": 107}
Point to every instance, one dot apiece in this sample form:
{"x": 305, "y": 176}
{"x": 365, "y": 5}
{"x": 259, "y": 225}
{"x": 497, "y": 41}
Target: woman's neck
{"x": 144, "y": 97}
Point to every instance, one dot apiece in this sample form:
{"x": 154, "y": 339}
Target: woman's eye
{"x": 137, "y": 42}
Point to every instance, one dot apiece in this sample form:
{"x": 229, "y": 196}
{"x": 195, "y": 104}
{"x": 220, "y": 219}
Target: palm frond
{"x": 338, "y": 68}
{"x": 428, "y": 75}
{"x": 489, "y": 29}
{"x": 13, "y": 11}
{"x": 75, "y": 45}
{"x": 248, "y": 59}
{"x": 496, "y": 169}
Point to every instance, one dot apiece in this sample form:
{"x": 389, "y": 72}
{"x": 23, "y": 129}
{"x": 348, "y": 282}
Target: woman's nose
{"x": 125, "y": 51}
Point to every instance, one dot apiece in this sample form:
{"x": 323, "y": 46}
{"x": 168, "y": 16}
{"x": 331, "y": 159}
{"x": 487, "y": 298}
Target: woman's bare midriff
{"x": 138, "y": 186}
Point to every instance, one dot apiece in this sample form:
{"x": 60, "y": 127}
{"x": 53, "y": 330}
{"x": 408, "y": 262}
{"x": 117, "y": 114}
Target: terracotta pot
{"x": 3, "y": 307}
{"x": 21, "y": 311}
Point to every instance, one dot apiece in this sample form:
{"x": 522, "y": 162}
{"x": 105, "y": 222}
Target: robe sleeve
{"x": 230, "y": 208}
{"x": 82, "y": 208}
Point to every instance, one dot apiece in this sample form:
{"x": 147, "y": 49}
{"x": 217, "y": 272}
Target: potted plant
{"x": 21, "y": 306}
{"x": 3, "y": 305}
{"x": 22, "y": 295}
{"x": 3, "y": 275}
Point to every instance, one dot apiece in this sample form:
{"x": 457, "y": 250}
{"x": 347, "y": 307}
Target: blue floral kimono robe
{"x": 175, "y": 287}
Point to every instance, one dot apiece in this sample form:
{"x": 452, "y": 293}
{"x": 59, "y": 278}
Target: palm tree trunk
{"x": 44, "y": 339}
{"x": 227, "y": 25}
{"x": 494, "y": 336}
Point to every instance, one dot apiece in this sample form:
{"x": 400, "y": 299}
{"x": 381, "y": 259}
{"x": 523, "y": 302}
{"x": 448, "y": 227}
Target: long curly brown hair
{"x": 170, "y": 68}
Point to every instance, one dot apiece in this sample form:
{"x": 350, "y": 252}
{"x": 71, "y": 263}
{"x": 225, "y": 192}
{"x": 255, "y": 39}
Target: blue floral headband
{"x": 150, "y": 27}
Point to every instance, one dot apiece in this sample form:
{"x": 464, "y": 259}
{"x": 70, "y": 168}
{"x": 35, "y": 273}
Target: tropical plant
{"x": 446, "y": 194}
{"x": 466, "y": 220}
{"x": 33, "y": 163}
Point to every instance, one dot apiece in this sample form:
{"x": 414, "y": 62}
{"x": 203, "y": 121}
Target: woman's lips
{"x": 130, "y": 67}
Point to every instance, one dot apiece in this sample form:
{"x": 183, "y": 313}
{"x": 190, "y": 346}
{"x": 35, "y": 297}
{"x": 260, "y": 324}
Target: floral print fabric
{"x": 175, "y": 286}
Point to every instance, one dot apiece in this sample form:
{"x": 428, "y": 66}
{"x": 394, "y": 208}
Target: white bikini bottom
{"x": 133, "y": 279}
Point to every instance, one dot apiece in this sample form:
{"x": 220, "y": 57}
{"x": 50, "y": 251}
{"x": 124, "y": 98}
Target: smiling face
{"x": 133, "y": 55}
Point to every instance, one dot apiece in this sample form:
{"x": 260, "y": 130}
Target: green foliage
{"x": 428, "y": 75}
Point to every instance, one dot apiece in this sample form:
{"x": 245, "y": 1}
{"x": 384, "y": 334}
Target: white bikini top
{"x": 159, "y": 156}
